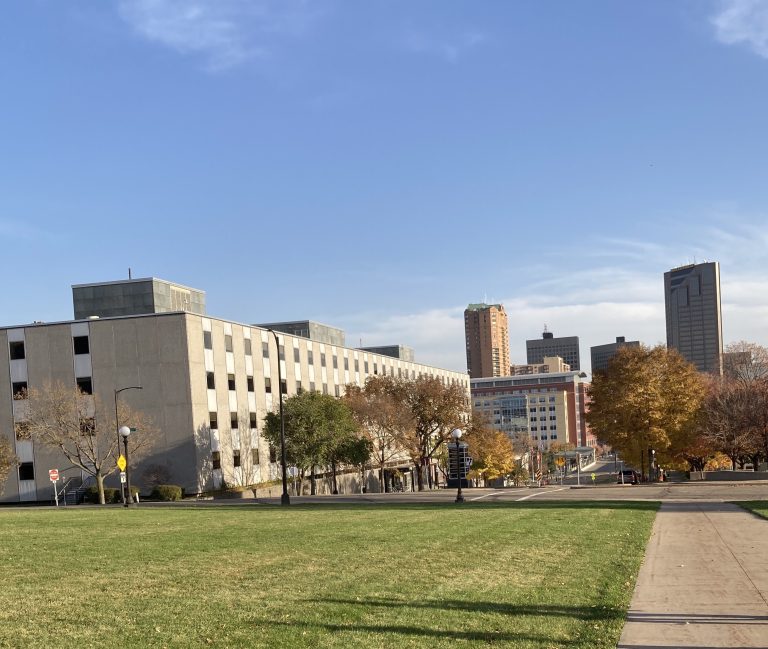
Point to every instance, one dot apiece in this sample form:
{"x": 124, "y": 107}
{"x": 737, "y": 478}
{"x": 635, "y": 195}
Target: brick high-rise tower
{"x": 487, "y": 335}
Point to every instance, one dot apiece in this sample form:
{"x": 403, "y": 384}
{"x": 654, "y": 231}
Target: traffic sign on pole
{"x": 53, "y": 475}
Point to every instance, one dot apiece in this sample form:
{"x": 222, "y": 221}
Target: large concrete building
{"x": 487, "y": 340}
{"x": 601, "y": 354}
{"x": 566, "y": 348}
{"x": 694, "y": 319}
{"x": 556, "y": 405}
{"x": 550, "y": 365}
{"x": 207, "y": 384}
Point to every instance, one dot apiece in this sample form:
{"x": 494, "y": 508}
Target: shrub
{"x": 111, "y": 495}
{"x": 166, "y": 492}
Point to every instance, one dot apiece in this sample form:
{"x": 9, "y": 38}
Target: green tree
{"x": 317, "y": 427}
{"x": 647, "y": 398}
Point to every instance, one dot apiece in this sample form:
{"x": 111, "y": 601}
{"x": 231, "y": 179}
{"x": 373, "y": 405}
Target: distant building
{"x": 694, "y": 318}
{"x": 566, "y": 348}
{"x": 551, "y": 365}
{"x": 487, "y": 337}
{"x": 556, "y": 405}
{"x": 135, "y": 297}
{"x": 601, "y": 354}
{"x": 309, "y": 329}
{"x": 395, "y": 351}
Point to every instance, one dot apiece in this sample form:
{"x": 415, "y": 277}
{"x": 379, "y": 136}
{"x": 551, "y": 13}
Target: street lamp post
{"x": 456, "y": 434}
{"x": 285, "y": 499}
{"x": 117, "y": 426}
{"x": 125, "y": 432}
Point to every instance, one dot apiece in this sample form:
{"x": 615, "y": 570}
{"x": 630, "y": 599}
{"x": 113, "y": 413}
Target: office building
{"x": 566, "y": 348}
{"x": 694, "y": 319}
{"x": 395, "y": 351}
{"x": 487, "y": 340}
{"x": 601, "y": 354}
{"x": 207, "y": 384}
{"x": 556, "y": 406}
{"x": 310, "y": 329}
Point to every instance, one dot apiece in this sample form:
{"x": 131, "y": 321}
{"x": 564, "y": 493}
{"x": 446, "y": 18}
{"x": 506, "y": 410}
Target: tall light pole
{"x": 117, "y": 427}
{"x": 125, "y": 432}
{"x": 285, "y": 499}
{"x": 456, "y": 434}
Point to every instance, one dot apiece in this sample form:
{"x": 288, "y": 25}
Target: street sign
{"x": 53, "y": 475}
{"x": 121, "y": 463}
{"x": 122, "y": 477}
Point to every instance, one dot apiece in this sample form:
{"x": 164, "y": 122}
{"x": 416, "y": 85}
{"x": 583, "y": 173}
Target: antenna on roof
{"x": 545, "y": 327}
{"x": 129, "y": 273}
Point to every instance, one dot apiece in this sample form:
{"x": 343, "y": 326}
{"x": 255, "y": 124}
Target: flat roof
{"x": 135, "y": 281}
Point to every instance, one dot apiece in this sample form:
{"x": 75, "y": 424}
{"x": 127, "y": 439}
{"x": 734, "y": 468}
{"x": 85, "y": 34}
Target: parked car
{"x": 628, "y": 476}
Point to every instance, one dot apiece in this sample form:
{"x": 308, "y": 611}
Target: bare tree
{"x": 82, "y": 428}
{"x": 7, "y": 461}
{"x": 246, "y": 467}
{"x": 727, "y": 419}
{"x": 382, "y": 419}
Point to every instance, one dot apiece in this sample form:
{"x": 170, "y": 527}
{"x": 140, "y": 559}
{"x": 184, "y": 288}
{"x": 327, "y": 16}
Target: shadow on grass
{"x": 416, "y": 631}
{"x": 587, "y": 614}
{"x": 757, "y": 507}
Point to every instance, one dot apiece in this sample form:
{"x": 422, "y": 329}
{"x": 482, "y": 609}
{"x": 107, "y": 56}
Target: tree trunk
{"x": 733, "y": 462}
{"x": 333, "y": 471}
{"x": 382, "y": 483}
{"x": 419, "y": 477}
{"x": 312, "y": 486}
{"x": 100, "y": 486}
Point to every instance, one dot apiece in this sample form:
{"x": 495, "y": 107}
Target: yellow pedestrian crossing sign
{"x": 121, "y": 462}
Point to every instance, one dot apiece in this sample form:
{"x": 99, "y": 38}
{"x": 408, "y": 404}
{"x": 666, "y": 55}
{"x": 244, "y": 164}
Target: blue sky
{"x": 378, "y": 165}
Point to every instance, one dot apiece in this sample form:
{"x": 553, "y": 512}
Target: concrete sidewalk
{"x": 704, "y": 581}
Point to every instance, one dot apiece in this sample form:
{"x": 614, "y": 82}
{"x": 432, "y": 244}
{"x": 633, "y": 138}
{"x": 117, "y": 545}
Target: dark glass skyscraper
{"x": 694, "y": 320}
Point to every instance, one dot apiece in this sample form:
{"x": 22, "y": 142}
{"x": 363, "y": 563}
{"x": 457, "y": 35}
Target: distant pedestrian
{"x": 594, "y": 477}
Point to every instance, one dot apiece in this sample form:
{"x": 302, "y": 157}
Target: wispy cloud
{"x": 449, "y": 48}
{"x": 226, "y": 33}
{"x": 599, "y": 301}
{"x": 743, "y": 22}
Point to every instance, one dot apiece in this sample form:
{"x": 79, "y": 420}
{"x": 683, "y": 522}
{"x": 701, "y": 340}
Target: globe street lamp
{"x": 125, "y": 432}
{"x": 285, "y": 499}
{"x": 456, "y": 434}
{"x": 117, "y": 424}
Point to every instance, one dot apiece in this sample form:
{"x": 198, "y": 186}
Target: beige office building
{"x": 206, "y": 383}
{"x": 487, "y": 340}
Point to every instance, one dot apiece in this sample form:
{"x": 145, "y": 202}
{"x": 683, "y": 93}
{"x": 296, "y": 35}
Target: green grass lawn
{"x": 759, "y": 507}
{"x": 520, "y": 575}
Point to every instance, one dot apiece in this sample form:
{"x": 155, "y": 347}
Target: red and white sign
{"x": 53, "y": 474}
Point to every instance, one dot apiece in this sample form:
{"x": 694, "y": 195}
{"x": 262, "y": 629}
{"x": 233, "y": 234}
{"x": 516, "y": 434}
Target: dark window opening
{"x": 27, "y": 471}
{"x": 16, "y": 350}
{"x": 284, "y": 386}
{"x": 207, "y": 340}
{"x": 216, "y": 459}
{"x": 310, "y": 357}
{"x": 231, "y": 381}
{"x": 249, "y": 381}
{"x": 85, "y": 385}
{"x": 281, "y": 353}
{"x": 233, "y": 422}
{"x": 272, "y": 454}
{"x": 265, "y": 350}
{"x": 81, "y": 345}
{"x": 268, "y": 385}
{"x": 214, "y": 419}
{"x": 236, "y": 458}
{"x": 210, "y": 380}
{"x": 247, "y": 346}
{"x": 252, "y": 419}
{"x": 296, "y": 356}
{"x": 228, "y": 342}
{"x": 255, "y": 455}
{"x": 87, "y": 426}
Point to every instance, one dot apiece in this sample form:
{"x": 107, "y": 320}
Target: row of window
{"x": 19, "y": 388}
{"x": 237, "y": 457}
{"x": 18, "y": 352}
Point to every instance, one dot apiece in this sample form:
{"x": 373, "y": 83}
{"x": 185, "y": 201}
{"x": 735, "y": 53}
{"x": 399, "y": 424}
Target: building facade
{"x": 207, "y": 384}
{"x": 556, "y": 407}
{"x": 601, "y": 354}
{"x": 486, "y": 331}
{"x": 566, "y": 348}
{"x": 550, "y": 365}
{"x": 694, "y": 318}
